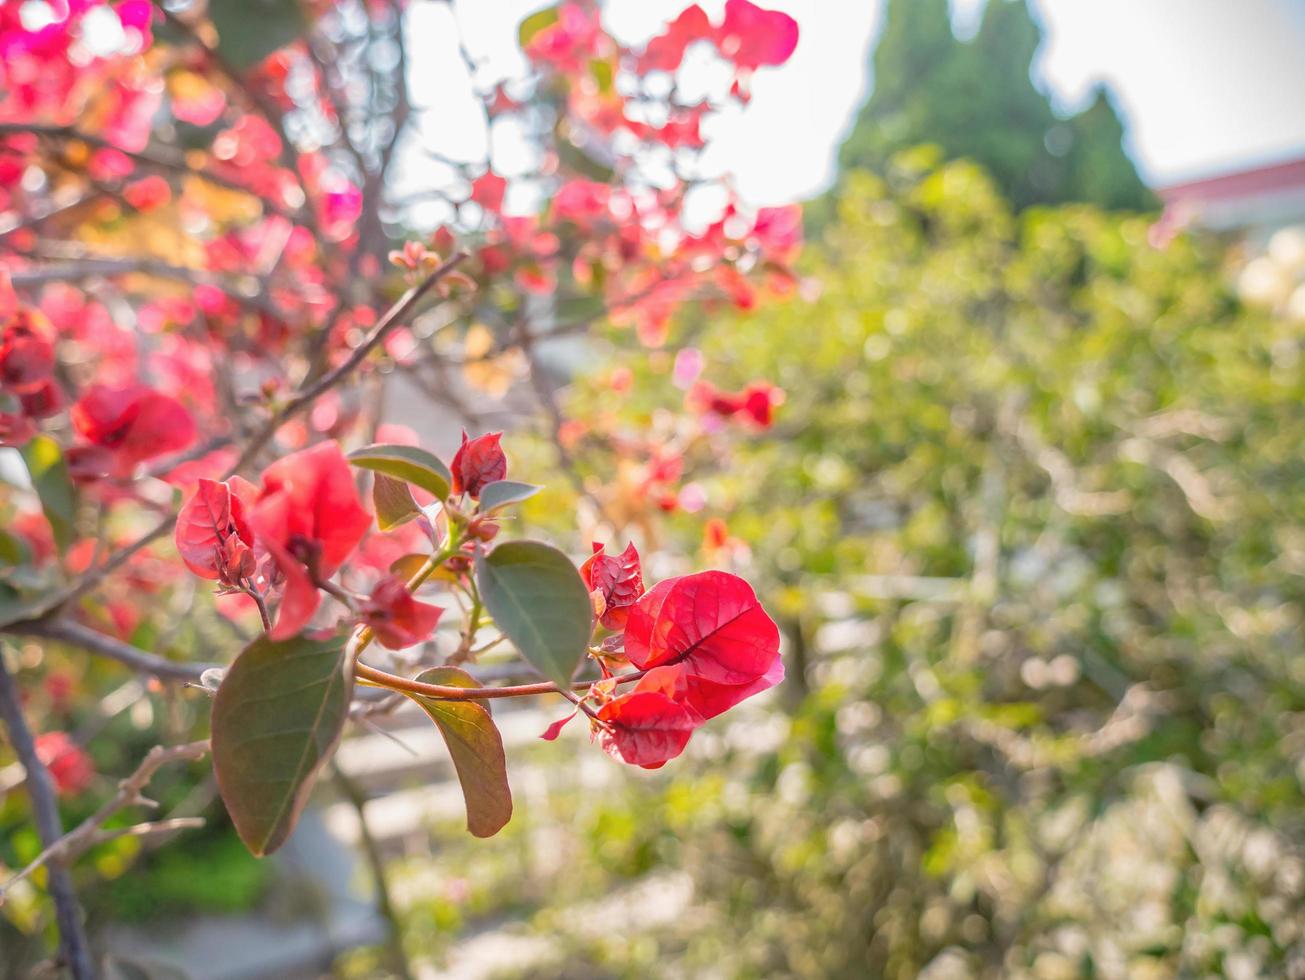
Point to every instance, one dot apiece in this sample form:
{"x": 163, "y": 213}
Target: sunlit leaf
{"x": 407, "y": 463}
{"x": 394, "y": 503}
{"x": 477, "y": 750}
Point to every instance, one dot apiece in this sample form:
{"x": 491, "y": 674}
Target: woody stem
{"x": 440, "y": 692}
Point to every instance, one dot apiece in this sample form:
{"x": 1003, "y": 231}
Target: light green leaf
{"x": 50, "y": 478}
{"x": 535, "y": 23}
{"x": 407, "y": 463}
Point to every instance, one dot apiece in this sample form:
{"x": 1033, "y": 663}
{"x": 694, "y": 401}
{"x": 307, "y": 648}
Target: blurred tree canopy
{"x": 976, "y": 100}
{"x": 1032, "y": 515}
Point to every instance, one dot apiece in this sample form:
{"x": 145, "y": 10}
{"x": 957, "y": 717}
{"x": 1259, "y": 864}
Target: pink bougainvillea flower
{"x": 15, "y": 430}
{"x": 69, "y": 765}
{"x": 309, "y": 517}
{"x": 665, "y": 51}
{"x": 42, "y": 401}
{"x": 478, "y": 462}
{"x": 26, "y": 353}
{"x": 213, "y": 535}
{"x": 397, "y": 619}
{"x": 778, "y": 232}
{"x": 645, "y": 728}
{"x": 488, "y": 189}
{"x": 710, "y": 623}
{"x": 759, "y": 401}
{"x": 751, "y": 36}
{"x": 618, "y": 581}
{"x": 134, "y": 423}
{"x": 147, "y": 193}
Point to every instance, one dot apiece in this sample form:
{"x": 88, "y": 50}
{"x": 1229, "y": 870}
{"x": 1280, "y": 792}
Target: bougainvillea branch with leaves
{"x": 210, "y": 280}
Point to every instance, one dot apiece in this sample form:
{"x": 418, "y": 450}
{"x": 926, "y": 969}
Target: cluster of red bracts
{"x": 26, "y": 373}
{"x": 297, "y": 529}
{"x": 703, "y": 641}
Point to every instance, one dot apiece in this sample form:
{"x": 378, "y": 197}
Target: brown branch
{"x": 68, "y": 847}
{"x": 93, "y": 641}
{"x": 73, "y": 947}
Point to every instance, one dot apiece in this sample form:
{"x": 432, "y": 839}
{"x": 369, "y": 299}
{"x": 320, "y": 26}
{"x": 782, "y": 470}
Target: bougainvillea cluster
{"x": 209, "y": 279}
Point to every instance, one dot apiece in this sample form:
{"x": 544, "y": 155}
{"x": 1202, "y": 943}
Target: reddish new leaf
{"x": 477, "y": 463}
{"x": 617, "y": 579}
{"x": 710, "y": 622}
{"x": 645, "y": 728}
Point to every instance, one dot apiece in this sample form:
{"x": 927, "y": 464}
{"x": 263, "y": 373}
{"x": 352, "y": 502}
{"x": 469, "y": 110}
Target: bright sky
{"x": 1205, "y": 85}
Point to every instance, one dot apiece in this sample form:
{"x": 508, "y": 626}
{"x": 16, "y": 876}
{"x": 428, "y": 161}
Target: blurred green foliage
{"x": 1032, "y": 517}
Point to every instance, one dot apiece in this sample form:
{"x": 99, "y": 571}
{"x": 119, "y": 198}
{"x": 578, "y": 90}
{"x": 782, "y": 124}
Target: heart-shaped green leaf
{"x": 539, "y": 601}
{"x": 502, "y": 493}
{"x": 407, "y": 463}
{"x": 276, "y": 718}
{"x": 477, "y": 750}
{"x": 394, "y": 503}
{"x": 50, "y": 479}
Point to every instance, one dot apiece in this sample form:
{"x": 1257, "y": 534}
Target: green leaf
{"x": 539, "y": 601}
{"x": 50, "y": 479}
{"x": 477, "y": 750}
{"x": 406, "y": 463}
{"x": 12, "y": 549}
{"x": 535, "y": 23}
{"x": 394, "y": 503}
{"x": 277, "y": 717}
{"x": 250, "y": 30}
{"x": 502, "y": 493}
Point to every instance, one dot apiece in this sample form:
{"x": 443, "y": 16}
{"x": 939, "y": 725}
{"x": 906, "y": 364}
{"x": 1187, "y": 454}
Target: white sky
{"x": 1205, "y": 85}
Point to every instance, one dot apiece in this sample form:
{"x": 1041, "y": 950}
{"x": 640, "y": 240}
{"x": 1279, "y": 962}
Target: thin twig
{"x": 73, "y": 947}
{"x": 68, "y": 847}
